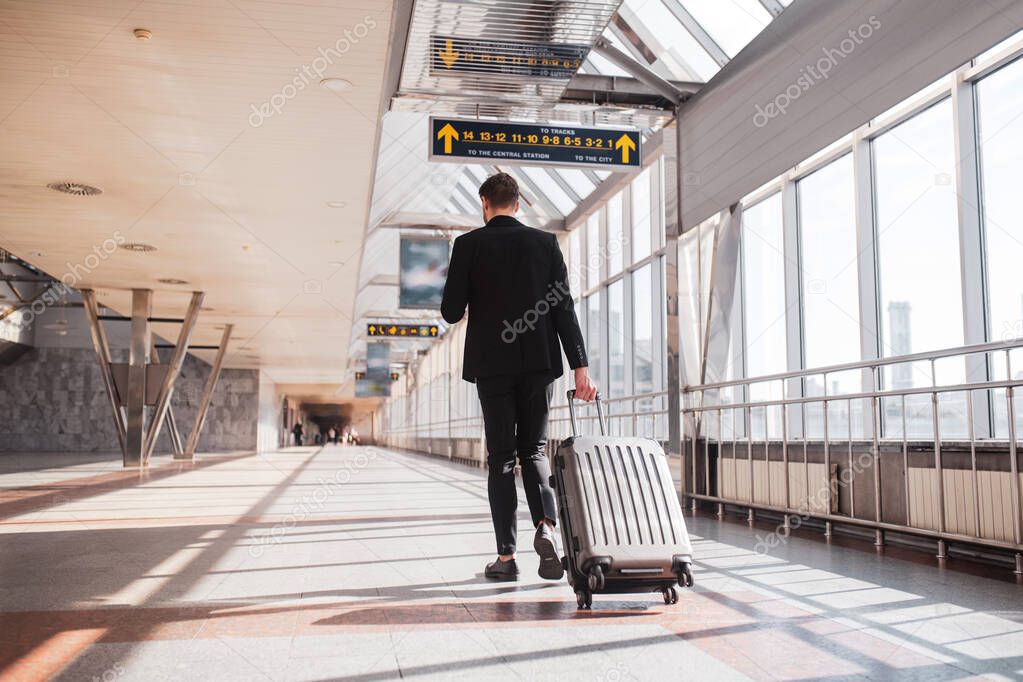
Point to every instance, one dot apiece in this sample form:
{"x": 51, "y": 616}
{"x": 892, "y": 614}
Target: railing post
{"x": 875, "y": 409}
{"x": 1017, "y": 523}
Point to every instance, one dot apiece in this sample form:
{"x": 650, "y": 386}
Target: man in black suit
{"x": 514, "y": 281}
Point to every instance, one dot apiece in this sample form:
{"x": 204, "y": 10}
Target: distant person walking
{"x": 297, "y": 431}
{"x": 514, "y": 282}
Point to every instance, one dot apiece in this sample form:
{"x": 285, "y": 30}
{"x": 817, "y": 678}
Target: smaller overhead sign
{"x": 388, "y": 330}
{"x": 452, "y": 56}
{"x": 362, "y": 375}
{"x": 558, "y": 145}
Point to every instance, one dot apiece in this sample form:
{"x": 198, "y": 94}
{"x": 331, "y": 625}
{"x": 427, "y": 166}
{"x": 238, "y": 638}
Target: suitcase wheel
{"x": 670, "y": 595}
{"x": 685, "y": 574}
{"x": 584, "y": 598}
{"x": 595, "y": 579}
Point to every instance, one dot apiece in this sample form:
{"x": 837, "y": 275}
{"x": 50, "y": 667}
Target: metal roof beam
{"x": 618, "y": 90}
{"x": 640, "y": 71}
{"x": 773, "y": 6}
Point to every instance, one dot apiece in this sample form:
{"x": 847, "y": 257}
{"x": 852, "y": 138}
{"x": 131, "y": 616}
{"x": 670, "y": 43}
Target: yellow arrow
{"x": 448, "y": 55}
{"x": 626, "y": 144}
{"x": 448, "y": 133}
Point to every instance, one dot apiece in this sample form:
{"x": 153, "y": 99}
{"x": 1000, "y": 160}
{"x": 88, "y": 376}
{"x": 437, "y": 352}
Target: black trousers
{"x": 515, "y": 412}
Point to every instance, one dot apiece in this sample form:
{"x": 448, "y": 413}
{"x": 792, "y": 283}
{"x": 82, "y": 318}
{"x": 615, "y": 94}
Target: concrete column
{"x": 138, "y": 358}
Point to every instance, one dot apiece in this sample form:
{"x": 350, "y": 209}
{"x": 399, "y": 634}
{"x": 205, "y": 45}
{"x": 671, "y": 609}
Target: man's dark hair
{"x": 500, "y": 190}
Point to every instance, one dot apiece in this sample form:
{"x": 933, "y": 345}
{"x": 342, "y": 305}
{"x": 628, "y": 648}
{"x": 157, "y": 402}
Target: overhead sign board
{"x": 422, "y": 270}
{"x": 388, "y": 330}
{"x": 450, "y": 55}
{"x": 559, "y": 145}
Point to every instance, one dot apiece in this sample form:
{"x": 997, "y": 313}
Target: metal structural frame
{"x": 136, "y": 435}
{"x": 207, "y": 394}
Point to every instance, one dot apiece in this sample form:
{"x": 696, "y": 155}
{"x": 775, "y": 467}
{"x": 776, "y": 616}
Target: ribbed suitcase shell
{"x": 618, "y": 501}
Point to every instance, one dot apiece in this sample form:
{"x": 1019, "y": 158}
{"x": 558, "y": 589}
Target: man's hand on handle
{"x": 585, "y": 389}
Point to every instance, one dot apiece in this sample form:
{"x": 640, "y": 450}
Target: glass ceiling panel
{"x": 674, "y": 38}
{"x": 595, "y": 64}
{"x": 550, "y": 188}
{"x": 732, "y": 23}
{"x": 577, "y": 180}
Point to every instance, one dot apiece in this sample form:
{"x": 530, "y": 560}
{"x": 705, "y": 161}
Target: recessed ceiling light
{"x": 171, "y": 280}
{"x": 75, "y": 188}
{"x": 337, "y": 204}
{"x": 143, "y": 33}
{"x": 336, "y": 84}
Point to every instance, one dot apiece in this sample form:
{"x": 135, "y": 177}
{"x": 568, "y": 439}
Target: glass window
{"x": 644, "y": 348}
{"x": 763, "y": 268}
{"x": 1001, "y": 153}
{"x": 593, "y": 336}
{"x": 830, "y": 292}
{"x": 575, "y": 261}
{"x": 641, "y": 210}
{"x": 918, "y": 236}
{"x": 593, "y": 250}
{"x": 615, "y": 235}
{"x": 828, "y": 266}
{"x": 919, "y": 269}
{"x": 616, "y": 339}
{"x": 763, "y": 264}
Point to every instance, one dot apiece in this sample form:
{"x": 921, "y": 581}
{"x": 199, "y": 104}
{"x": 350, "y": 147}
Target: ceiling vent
{"x": 75, "y": 188}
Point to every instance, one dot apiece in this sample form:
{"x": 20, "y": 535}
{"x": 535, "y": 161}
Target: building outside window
{"x": 918, "y": 264}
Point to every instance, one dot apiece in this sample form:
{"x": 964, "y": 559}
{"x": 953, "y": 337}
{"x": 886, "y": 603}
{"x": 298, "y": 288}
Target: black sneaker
{"x": 502, "y": 570}
{"x": 547, "y": 549}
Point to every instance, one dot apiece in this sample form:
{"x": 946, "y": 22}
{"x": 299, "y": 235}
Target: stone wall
{"x": 53, "y": 400}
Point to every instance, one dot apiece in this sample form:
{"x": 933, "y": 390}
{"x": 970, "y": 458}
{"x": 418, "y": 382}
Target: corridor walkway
{"x": 365, "y": 564}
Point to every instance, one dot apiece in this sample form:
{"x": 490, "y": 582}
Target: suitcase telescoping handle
{"x": 571, "y": 413}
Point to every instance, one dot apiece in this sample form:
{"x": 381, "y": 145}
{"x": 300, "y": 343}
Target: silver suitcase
{"x": 620, "y": 517}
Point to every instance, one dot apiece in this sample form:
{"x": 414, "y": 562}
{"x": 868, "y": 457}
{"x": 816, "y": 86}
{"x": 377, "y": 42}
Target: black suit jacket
{"x": 514, "y": 281}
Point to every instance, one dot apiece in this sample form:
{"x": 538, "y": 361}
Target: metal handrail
{"x": 862, "y": 364}
{"x": 699, "y": 437}
{"x": 862, "y": 395}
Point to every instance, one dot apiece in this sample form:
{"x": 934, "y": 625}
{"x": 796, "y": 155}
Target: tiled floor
{"x": 365, "y": 564}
